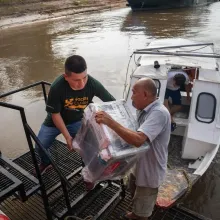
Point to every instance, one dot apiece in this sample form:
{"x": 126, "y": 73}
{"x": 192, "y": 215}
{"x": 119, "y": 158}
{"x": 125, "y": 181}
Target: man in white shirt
{"x": 176, "y": 78}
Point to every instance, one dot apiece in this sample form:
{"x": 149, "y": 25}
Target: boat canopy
{"x": 209, "y": 75}
{"x": 180, "y": 52}
{"x": 151, "y": 72}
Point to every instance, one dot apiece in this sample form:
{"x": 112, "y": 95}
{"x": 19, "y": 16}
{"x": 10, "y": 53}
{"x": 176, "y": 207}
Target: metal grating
{"x": 108, "y": 212}
{"x": 159, "y": 214}
{"x": 9, "y": 184}
{"x": 32, "y": 209}
{"x": 84, "y": 203}
{"x": 25, "y": 161}
{"x": 172, "y": 214}
{"x": 30, "y": 183}
{"x": 68, "y": 162}
{"x": 57, "y": 200}
{"x": 5, "y": 182}
{"x": 59, "y": 152}
{"x": 101, "y": 203}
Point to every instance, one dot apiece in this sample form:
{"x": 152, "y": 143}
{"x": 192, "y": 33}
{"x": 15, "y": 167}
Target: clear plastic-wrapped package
{"x": 106, "y": 156}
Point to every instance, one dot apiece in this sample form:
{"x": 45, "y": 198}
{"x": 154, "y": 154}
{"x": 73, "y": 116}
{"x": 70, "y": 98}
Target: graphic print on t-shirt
{"x": 76, "y": 103}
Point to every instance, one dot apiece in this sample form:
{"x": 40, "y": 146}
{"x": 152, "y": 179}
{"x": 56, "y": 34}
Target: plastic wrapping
{"x": 106, "y": 156}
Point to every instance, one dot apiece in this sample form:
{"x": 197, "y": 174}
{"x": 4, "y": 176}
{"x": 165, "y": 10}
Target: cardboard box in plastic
{"x": 106, "y": 156}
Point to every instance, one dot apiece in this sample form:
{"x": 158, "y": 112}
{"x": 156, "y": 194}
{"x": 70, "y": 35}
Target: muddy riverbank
{"x": 21, "y": 12}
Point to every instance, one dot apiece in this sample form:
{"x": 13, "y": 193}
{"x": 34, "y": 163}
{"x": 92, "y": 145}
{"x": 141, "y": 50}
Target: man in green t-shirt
{"x": 69, "y": 95}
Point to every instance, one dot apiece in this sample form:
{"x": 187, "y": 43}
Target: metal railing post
{"x": 44, "y": 91}
{"x": 43, "y": 189}
{"x": 28, "y": 137}
{"x": 66, "y": 195}
{"x": 64, "y": 181}
{"x": 37, "y": 141}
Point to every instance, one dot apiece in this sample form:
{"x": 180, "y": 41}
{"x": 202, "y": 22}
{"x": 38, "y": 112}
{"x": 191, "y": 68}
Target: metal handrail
{"x": 39, "y": 144}
{"x": 30, "y": 134}
{"x": 30, "y": 131}
{"x": 64, "y": 181}
{"x": 42, "y": 186}
{"x": 43, "y": 83}
{"x": 15, "y": 107}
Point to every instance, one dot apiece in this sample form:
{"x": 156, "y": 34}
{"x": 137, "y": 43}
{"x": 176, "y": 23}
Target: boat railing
{"x": 176, "y": 46}
{"x": 189, "y": 54}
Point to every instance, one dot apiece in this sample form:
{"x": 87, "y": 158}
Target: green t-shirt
{"x": 71, "y": 103}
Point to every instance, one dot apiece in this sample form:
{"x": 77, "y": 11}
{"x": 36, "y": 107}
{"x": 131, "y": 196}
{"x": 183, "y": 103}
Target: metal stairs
{"x": 61, "y": 188}
{"x": 68, "y": 162}
{"x": 16, "y": 181}
{"x": 81, "y": 202}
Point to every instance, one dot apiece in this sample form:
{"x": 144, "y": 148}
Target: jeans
{"x": 47, "y": 136}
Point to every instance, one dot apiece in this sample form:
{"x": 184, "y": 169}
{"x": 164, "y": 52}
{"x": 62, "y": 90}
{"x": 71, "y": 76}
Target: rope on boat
{"x": 71, "y": 217}
{"x": 189, "y": 188}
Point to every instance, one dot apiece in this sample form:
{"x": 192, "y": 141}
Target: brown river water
{"x": 37, "y": 52}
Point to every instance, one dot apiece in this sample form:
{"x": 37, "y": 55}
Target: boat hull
{"x": 160, "y": 4}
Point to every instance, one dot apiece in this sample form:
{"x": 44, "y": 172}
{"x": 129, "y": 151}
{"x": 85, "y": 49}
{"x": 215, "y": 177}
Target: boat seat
{"x": 183, "y": 115}
{"x": 181, "y": 121}
{"x": 181, "y": 118}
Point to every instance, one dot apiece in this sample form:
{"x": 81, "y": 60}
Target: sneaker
{"x": 89, "y": 186}
{"x": 43, "y": 168}
{"x": 173, "y": 126}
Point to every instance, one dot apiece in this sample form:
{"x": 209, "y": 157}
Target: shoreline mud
{"x": 16, "y": 15}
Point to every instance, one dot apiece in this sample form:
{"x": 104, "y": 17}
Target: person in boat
{"x": 193, "y": 73}
{"x": 176, "y": 79}
{"x": 154, "y": 127}
{"x": 69, "y": 95}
